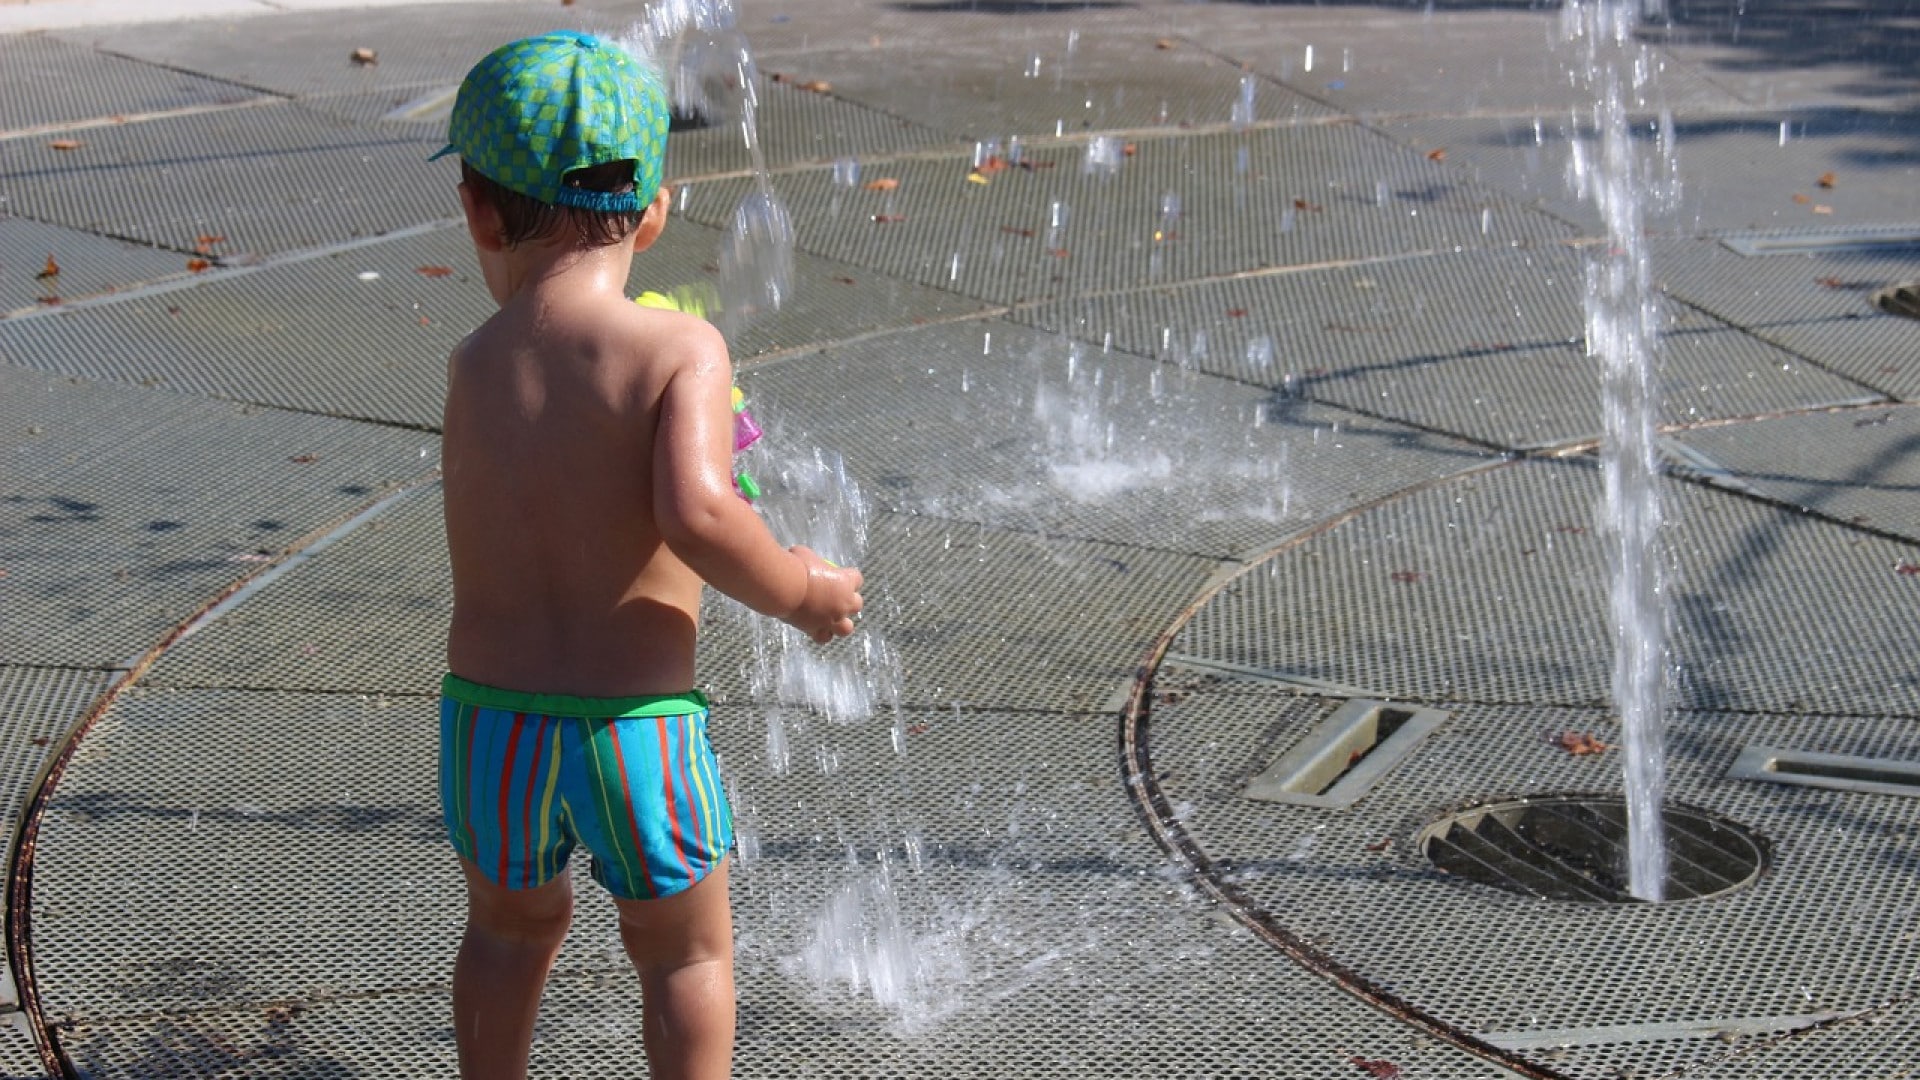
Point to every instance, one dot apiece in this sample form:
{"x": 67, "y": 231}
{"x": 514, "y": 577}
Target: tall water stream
{"x": 1610, "y": 171}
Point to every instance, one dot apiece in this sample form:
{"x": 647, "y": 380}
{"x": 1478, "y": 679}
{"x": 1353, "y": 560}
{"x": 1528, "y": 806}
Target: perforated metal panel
{"x": 1736, "y": 170}
{"x": 1051, "y": 81}
{"x": 1460, "y": 61}
{"x": 302, "y": 53}
{"x": 985, "y": 421}
{"x": 999, "y": 240}
{"x": 1816, "y": 304}
{"x": 88, "y": 264}
{"x": 1487, "y": 346}
{"x": 109, "y": 544}
{"x": 1350, "y": 884}
{"x": 38, "y": 706}
{"x": 1052, "y": 892}
{"x": 1856, "y": 466}
{"x": 276, "y": 336}
{"x": 18, "y": 1058}
{"x": 303, "y": 180}
{"x": 1493, "y": 588}
{"x": 45, "y": 80}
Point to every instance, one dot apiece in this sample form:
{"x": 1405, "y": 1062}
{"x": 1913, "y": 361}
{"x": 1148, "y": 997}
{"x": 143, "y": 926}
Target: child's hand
{"x": 832, "y": 600}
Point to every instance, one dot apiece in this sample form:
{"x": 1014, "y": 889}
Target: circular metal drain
{"x": 1575, "y": 848}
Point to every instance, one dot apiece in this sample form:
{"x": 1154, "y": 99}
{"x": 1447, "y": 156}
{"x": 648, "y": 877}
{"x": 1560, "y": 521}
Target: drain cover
{"x": 1575, "y": 848}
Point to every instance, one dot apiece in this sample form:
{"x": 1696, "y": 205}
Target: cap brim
{"x": 443, "y": 152}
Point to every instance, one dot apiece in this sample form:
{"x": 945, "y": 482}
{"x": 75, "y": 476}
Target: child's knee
{"x": 540, "y": 914}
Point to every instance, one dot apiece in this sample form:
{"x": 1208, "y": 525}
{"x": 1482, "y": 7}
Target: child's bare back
{"x": 562, "y": 579}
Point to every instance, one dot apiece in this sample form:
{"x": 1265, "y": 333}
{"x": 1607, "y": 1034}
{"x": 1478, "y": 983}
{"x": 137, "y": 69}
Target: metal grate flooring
{"x": 110, "y": 545}
{"x": 1492, "y": 588}
{"x": 1351, "y": 883}
{"x": 1054, "y": 231}
{"x": 89, "y": 265}
{"x": 1856, "y": 466}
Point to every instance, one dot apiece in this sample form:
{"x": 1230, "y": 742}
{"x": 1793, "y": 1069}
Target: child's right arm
{"x": 709, "y": 526}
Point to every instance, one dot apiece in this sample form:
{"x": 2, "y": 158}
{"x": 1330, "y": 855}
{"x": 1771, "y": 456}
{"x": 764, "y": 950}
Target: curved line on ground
{"x": 19, "y": 883}
{"x": 1156, "y": 813}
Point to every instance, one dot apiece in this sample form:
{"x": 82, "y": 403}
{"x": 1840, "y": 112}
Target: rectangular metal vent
{"x": 1346, "y": 755}
{"x": 1827, "y": 242}
{"x": 1843, "y": 772}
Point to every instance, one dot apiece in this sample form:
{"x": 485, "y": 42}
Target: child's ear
{"x": 654, "y": 220}
{"x": 483, "y": 221}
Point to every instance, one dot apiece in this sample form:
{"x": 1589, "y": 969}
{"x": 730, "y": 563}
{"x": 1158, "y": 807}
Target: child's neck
{"x": 534, "y": 268}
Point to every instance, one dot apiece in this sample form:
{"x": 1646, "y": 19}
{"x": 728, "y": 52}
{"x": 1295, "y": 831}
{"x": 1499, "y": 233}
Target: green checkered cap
{"x": 539, "y": 108}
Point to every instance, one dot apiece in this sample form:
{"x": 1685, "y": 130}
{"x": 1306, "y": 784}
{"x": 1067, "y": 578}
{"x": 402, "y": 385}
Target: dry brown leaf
{"x": 888, "y": 219}
{"x": 885, "y": 183}
{"x": 1823, "y": 209}
{"x": 818, "y": 86}
{"x": 52, "y": 270}
{"x": 365, "y": 57}
{"x": 1129, "y": 150}
{"x": 1827, "y": 179}
{"x": 1437, "y": 155}
{"x": 1581, "y": 743}
{"x": 990, "y": 166}
{"x": 197, "y": 265}
{"x": 433, "y": 271}
{"x": 66, "y": 144}
{"x": 1164, "y": 44}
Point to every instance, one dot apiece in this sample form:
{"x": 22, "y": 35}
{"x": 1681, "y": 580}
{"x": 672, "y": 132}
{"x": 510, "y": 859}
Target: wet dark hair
{"x": 523, "y": 218}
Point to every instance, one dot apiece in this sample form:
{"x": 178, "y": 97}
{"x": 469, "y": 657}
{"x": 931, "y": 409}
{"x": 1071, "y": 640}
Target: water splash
{"x": 1623, "y": 325}
{"x": 712, "y": 79}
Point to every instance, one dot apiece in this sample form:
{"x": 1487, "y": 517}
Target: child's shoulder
{"x": 668, "y": 336}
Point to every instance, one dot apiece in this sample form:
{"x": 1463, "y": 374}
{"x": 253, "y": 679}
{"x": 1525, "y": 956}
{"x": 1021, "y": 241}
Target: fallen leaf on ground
{"x": 66, "y": 144}
{"x": 1909, "y": 569}
{"x": 1017, "y": 231}
{"x": 1164, "y": 44}
{"x": 1302, "y": 204}
{"x": 1581, "y": 743}
{"x": 885, "y": 183}
{"x": 1827, "y": 179}
{"x": 303, "y": 459}
{"x": 1129, "y": 150}
{"x": 197, "y": 265}
{"x": 52, "y": 269}
{"x": 888, "y": 219}
{"x": 994, "y": 163}
{"x": 365, "y": 57}
{"x": 845, "y": 280}
{"x": 1381, "y": 844}
{"x": 47, "y": 301}
{"x": 1802, "y": 199}
{"x": 1823, "y": 209}
{"x": 433, "y": 271}
{"x": 1236, "y": 313}
{"x": 1830, "y": 282}
{"x": 1437, "y": 155}
{"x": 1384, "y": 1070}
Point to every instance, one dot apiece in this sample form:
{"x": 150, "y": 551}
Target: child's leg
{"x": 511, "y": 940}
{"x": 682, "y": 947}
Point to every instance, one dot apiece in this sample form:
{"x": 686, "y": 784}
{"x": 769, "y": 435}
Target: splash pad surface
{"x": 1196, "y": 470}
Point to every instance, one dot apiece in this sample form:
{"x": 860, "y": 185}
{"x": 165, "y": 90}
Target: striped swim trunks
{"x": 525, "y": 778}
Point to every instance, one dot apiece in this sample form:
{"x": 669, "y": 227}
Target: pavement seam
{"x": 19, "y": 885}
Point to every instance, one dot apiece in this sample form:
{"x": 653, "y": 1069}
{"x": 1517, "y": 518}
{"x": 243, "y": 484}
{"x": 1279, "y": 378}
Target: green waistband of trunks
{"x": 493, "y": 697}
